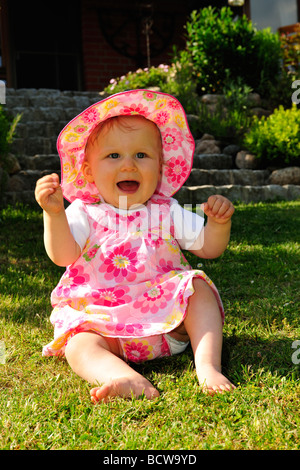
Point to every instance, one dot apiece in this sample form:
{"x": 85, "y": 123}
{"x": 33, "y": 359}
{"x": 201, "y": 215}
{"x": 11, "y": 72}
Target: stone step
{"x": 218, "y": 161}
{"x": 26, "y": 180}
{"x": 41, "y": 162}
{"x": 28, "y": 97}
{"x": 39, "y": 129}
{"x": 271, "y": 192}
{"x": 194, "y": 195}
{"x": 201, "y": 177}
{"x": 32, "y": 145}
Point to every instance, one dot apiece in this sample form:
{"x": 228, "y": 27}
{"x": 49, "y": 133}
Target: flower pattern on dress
{"x": 91, "y": 252}
{"x": 121, "y": 263}
{"x": 111, "y": 297}
{"x": 72, "y": 279}
{"x": 138, "y": 350}
{"x": 132, "y": 288}
{"x": 156, "y": 298}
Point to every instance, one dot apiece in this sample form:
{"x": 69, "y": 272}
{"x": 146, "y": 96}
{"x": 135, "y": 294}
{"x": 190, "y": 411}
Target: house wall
{"x": 101, "y": 61}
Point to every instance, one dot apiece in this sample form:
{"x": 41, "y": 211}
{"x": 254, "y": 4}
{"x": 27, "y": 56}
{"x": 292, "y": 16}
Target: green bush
{"x": 175, "y": 79}
{"x": 221, "y": 47}
{"x": 8, "y": 126}
{"x": 5, "y": 124}
{"x": 276, "y": 138}
{"x": 141, "y": 78}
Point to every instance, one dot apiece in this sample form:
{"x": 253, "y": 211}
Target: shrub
{"x": 276, "y": 138}
{"x": 220, "y": 47}
{"x": 141, "y": 78}
{"x": 175, "y": 79}
{"x": 8, "y": 126}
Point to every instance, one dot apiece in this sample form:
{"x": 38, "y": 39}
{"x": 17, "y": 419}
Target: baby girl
{"x": 128, "y": 294}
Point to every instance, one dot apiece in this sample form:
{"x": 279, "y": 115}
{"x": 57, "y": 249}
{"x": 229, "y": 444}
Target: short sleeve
{"x": 78, "y": 222}
{"x": 187, "y": 225}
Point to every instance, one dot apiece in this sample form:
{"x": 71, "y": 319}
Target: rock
{"x": 289, "y": 175}
{"x": 12, "y": 164}
{"x": 260, "y": 112}
{"x": 231, "y": 150}
{"x": 211, "y": 98}
{"x": 246, "y": 160}
{"x": 207, "y": 147}
{"x": 206, "y": 137}
{"x": 254, "y": 99}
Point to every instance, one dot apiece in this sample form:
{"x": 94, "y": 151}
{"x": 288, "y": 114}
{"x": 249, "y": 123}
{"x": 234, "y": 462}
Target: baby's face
{"x": 124, "y": 162}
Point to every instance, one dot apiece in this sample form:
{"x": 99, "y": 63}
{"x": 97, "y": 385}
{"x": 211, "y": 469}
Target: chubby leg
{"x": 203, "y": 326}
{"x": 97, "y": 360}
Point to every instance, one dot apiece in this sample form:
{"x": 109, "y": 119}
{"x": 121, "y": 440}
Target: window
{"x": 273, "y": 13}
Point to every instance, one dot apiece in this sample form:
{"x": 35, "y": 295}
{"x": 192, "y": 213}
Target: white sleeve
{"x": 78, "y": 223}
{"x": 188, "y": 225}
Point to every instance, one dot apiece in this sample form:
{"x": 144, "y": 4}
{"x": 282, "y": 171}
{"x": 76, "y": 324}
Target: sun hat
{"x": 163, "y": 109}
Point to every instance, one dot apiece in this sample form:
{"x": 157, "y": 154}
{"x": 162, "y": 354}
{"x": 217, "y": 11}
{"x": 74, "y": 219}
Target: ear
{"x": 87, "y": 171}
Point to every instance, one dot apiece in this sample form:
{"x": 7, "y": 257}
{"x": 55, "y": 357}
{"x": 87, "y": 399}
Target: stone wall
{"x": 217, "y": 168}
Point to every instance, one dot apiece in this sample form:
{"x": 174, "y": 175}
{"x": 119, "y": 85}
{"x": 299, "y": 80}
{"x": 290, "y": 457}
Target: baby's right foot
{"x": 123, "y": 387}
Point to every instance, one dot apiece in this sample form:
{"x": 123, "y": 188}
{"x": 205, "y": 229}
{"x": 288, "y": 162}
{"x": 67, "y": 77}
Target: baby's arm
{"x": 59, "y": 241}
{"x": 215, "y": 236}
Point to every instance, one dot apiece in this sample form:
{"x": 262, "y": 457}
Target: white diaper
{"x": 176, "y": 346}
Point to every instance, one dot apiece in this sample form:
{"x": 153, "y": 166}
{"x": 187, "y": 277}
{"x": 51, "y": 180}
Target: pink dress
{"x": 131, "y": 282}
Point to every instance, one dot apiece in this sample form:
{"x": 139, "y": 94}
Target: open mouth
{"x": 128, "y": 186}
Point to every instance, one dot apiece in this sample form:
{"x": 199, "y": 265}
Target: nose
{"x": 128, "y": 164}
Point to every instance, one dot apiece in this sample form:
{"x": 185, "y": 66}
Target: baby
{"x": 128, "y": 293}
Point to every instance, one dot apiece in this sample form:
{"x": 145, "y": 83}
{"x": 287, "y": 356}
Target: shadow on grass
{"x": 243, "y": 360}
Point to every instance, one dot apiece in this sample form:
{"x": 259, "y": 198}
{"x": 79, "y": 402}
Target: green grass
{"x": 44, "y": 405}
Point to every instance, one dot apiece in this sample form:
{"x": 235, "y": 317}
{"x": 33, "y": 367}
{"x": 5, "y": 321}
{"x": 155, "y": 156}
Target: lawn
{"x": 44, "y": 405}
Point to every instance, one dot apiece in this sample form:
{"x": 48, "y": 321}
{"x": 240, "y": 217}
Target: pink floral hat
{"x": 163, "y": 109}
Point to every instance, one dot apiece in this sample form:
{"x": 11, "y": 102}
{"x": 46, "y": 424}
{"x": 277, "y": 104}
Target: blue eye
{"x": 114, "y": 155}
{"x": 140, "y": 155}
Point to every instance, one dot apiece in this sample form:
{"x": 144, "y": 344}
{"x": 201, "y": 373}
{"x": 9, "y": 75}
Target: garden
{"x": 45, "y": 406}
{"x": 234, "y": 63}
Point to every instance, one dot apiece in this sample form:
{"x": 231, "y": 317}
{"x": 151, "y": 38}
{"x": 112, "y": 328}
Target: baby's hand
{"x": 49, "y": 195}
{"x": 219, "y": 208}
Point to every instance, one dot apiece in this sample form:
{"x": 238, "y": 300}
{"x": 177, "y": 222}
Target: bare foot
{"x": 213, "y": 381}
{"x": 123, "y": 387}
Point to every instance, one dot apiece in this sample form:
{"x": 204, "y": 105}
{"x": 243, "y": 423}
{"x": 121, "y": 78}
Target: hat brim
{"x": 164, "y": 110}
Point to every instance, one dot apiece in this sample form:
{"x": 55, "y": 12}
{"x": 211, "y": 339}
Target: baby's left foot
{"x": 213, "y": 381}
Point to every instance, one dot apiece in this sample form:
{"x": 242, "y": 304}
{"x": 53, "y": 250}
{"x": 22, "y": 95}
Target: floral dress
{"x": 131, "y": 281}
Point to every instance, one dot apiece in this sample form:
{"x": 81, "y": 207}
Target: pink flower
{"x": 80, "y": 129}
{"x": 165, "y": 266}
{"x": 130, "y": 329}
{"x": 121, "y": 263}
{"x": 149, "y": 95}
{"x": 162, "y": 118}
{"x": 155, "y": 299}
{"x": 90, "y": 116}
{"x": 73, "y": 278}
{"x": 173, "y": 104}
{"x": 86, "y": 196}
{"x": 137, "y": 351}
{"x": 177, "y": 170}
{"x": 135, "y": 109}
{"x": 171, "y": 139}
{"x": 111, "y": 297}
